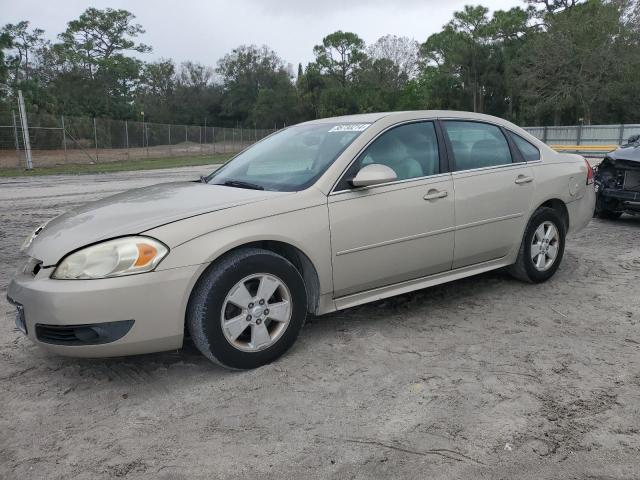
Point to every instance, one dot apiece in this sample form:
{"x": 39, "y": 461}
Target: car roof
{"x": 374, "y": 117}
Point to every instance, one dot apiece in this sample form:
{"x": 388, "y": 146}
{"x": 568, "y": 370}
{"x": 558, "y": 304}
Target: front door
{"x": 398, "y": 231}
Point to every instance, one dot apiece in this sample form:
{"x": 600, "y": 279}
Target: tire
{"x": 601, "y": 210}
{"x": 525, "y": 268}
{"x": 608, "y": 214}
{"x": 228, "y": 292}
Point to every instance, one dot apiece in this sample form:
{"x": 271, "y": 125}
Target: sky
{"x": 204, "y": 31}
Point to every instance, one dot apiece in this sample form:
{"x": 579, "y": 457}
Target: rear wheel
{"x": 542, "y": 247}
{"x": 247, "y": 309}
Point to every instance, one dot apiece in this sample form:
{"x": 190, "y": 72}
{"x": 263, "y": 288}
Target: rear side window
{"x": 529, "y": 151}
{"x": 477, "y": 145}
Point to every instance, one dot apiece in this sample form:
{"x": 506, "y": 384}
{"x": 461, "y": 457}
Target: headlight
{"x": 113, "y": 258}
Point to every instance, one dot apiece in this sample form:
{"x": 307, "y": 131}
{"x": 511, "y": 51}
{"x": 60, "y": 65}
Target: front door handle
{"x": 521, "y": 180}
{"x": 435, "y": 194}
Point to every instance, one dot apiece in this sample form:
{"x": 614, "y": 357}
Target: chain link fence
{"x": 65, "y": 139}
{"x": 59, "y": 140}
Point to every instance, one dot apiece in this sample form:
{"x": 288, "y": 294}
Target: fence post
{"x": 126, "y": 137}
{"x": 240, "y": 139}
{"x": 146, "y": 136}
{"x": 213, "y": 136}
{"x": 579, "y": 139}
{"x": 95, "y": 137}
{"x": 224, "y": 140}
{"x": 186, "y": 136}
{"x": 200, "y": 140}
{"x": 25, "y": 130}
{"x": 621, "y": 134}
{"x": 170, "y": 147}
{"x": 15, "y": 134}
{"x": 545, "y": 133}
{"x": 64, "y": 137}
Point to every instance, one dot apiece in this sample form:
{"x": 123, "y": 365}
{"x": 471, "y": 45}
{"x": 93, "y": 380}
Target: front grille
{"x": 90, "y": 334}
{"x": 632, "y": 180}
{"x": 57, "y": 335}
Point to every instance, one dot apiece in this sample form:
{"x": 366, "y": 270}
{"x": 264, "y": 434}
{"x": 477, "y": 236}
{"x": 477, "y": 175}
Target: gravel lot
{"x": 481, "y": 378}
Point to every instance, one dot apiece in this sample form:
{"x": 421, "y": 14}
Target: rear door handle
{"x": 521, "y": 180}
{"x": 435, "y": 194}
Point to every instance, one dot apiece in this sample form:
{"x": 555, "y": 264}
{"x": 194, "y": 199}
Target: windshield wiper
{"x": 241, "y": 184}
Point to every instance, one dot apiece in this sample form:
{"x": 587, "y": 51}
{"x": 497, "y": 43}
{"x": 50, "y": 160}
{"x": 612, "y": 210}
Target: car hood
{"x": 133, "y": 212}
{"x": 630, "y": 153}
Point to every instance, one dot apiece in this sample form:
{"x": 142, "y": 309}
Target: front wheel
{"x": 542, "y": 247}
{"x": 247, "y": 309}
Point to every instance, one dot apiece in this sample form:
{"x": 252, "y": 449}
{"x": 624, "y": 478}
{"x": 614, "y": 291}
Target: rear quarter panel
{"x": 564, "y": 177}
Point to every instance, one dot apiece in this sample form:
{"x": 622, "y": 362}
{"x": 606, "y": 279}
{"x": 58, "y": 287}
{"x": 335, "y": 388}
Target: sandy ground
{"x": 481, "y": 378}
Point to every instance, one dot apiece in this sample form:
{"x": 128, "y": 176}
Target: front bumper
{"x": 628, "y": 200}
{"x": 156, "y": 302}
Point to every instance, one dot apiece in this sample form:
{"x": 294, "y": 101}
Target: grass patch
{"x": 124, "y": 166}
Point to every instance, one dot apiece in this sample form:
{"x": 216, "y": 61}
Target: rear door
{"x": 493, "y": 191}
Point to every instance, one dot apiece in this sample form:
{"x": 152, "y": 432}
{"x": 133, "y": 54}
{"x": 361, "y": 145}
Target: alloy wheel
{"x": 256, "y": 312}
{"x": 544, "y": 246}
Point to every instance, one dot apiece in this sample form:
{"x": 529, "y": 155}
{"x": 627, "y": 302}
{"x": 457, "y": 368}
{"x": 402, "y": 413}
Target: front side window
{"x": 529, "y": 151}
{"x": 290, "y": 160}
{"x": 410, "y": 150}
{"x": 477, "y": 145}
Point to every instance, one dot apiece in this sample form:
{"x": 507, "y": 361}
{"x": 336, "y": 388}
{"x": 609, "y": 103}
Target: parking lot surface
{"x": 485, "y": 377}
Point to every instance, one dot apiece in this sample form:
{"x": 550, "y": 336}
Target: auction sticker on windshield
{"x": 350, "y": 127}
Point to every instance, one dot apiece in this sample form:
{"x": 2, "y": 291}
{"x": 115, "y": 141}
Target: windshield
{"x": 290, "y": 160}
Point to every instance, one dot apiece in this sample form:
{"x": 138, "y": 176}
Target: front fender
{"x": 307, "y": 230}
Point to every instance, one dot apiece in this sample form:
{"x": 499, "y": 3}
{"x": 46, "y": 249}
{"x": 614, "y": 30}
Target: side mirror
{"x": 373, "y": 174}
{"x": 633, "y": 138}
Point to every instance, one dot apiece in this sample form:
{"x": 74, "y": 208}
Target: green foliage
{"x": 257, "y": 87}
{"x": 340, "y": 55}
{"x": 549, "y": 61}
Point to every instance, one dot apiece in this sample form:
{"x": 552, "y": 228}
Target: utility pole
{"x": 25, "y": 130}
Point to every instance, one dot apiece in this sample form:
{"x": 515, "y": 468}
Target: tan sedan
{"x": 317, "y": 217}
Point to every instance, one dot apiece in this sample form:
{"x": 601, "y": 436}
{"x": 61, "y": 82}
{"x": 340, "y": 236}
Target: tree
{"x": 95, "y": 74}
{"x": 553, "y": 6}
{"x": 340, "y": 55}
{"x": 462, "y": 50}
{"x": 5, "y": 44}
{"x": 245, "y": 72}
{"x": 158, "y": 78}
{"x": 547, "y": 61}
{"x": 403, "y": 52}
{"x": 24, "y": 43}
{"x": 511, "y": 32}
{"x": 580, "y": 59}
{"x": 98, "y": 35}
